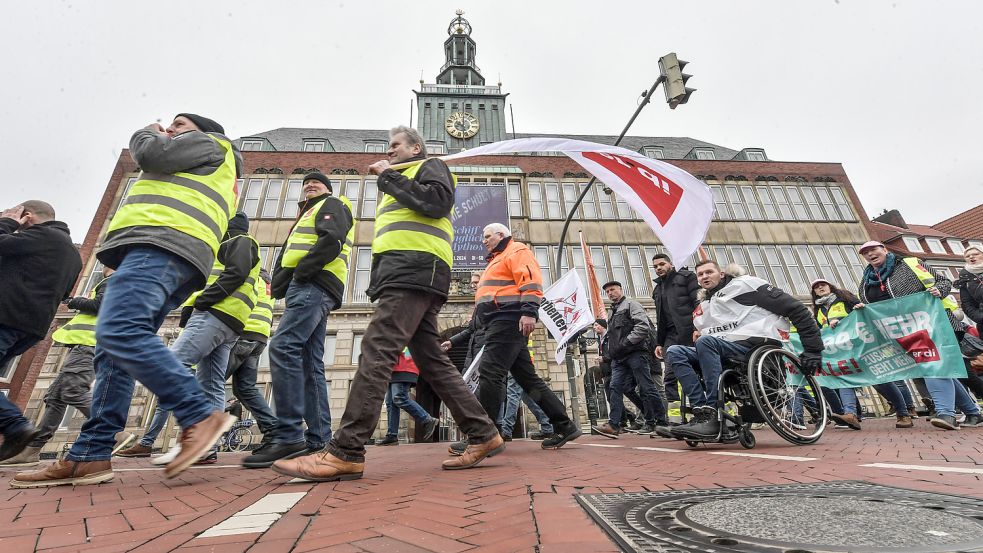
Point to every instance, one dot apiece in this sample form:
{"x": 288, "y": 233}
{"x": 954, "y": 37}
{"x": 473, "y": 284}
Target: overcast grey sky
{"x": 890, "y": 89}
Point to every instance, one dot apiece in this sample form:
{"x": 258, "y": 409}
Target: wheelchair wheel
{"x": 692, "y": 443}
{"x": 791, "y": 404}
{"x": 241, "y": 439}
{"x": 746, "y": 438}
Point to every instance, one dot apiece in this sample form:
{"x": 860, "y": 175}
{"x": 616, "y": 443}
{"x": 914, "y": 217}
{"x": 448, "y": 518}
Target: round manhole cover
{"x": 839, "y": 523}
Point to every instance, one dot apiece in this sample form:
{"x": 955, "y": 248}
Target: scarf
{"x": 826, "y": 301}
{"x": 975, "y": 269}
{"x": 877, "y": 276}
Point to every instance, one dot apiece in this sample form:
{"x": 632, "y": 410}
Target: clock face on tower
{"x": 461, "y": 124}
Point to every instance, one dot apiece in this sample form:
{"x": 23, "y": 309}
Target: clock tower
{"x": 459, "y": 111}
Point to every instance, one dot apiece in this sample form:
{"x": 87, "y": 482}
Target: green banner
{"x": 898, "y": 339}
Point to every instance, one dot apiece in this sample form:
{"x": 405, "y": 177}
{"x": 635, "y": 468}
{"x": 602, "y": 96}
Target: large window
{"x": 330, "y": 347}
{"x": 624, "y": 210}
{"x": 912, "y": 244}
{"x": 751, "y": 201}
{"x": 737, "y": 207}
{"x": 291, "y": 202}
{"x": 370, "y": 196}
{"x": 808, "y": 264}
{"x": 798, "y": 205}
{"x": 252, "y": 145}
{"x": 536, "y": 200}
{"x": 360, "y": 274}
{"x": 757, "y": 263}
{"x": 554, "y": 210}
{"x": 827, "y": 202}
{"x": 795, "y": 271}
{"x": 771, "y": 212}
{"x": 515, "y": 199}
{"x": 272, "y": 199}
{"x": 545, "y": 261}
{"x": 589, "y": 205}
{"x": 600, "y": 266}
{"x": 720, "y": 202}
{"x": 638, "y": 267}
{"x": 782, "y": 201}
{"x": 935, "y": 245}
{"x": 812, "y": 202}
{"x": 570, "y": 197}
{"x": 376, "y": 147}
{"x": 841, "y": 203}
{"x": 843, "y": 268}
{"x": 777, "y": 268}
{"x": 250, "y": 199}
{"x": 356, "y": 348}
{"x": 313, "y": 145}
{"x": 606, "y": 203}
{"x": 955, "y": 245}
{"x": 858, "y": 265}
{"x": 353, "y": 188}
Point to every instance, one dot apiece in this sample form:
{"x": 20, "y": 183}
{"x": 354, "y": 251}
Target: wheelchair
{"x": 767, "y": 387}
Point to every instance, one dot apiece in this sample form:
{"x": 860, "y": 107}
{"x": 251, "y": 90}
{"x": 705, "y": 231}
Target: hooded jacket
{"x": 675, "y": 300}
{"x": 744, "y": 307}
{"x": 431, "y": 194}
{"x": 38, "y": 268}
{"x": 332, "y": 223}
{"x": 190, "y": 152}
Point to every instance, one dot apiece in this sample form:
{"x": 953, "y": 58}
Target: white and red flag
{"x": 565, "y": 311}
{"x": 677, "y": 205}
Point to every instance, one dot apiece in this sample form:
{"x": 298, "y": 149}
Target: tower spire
{"x": 459, "y": 51}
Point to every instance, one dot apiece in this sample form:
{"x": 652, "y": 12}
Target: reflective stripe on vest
{"x": 399, "y": 228}
{"x": 928, "y": 280}
{"x": 240, "y": 303}
{"x": 304, "y": 235}
{"x": 260, "y": 321}
{"x": 81, "y": 329}
{"x": 836, "y": 311}
{"x": 197, "y": 205}
{"x": 497, "y": 284}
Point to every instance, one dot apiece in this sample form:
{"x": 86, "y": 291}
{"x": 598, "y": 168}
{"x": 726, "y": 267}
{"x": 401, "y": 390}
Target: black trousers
{"x": 506, "y": 351}
{"x": 404, "y": 318}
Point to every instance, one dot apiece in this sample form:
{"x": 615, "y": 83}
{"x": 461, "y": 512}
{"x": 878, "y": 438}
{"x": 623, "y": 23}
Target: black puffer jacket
{"x": 675, "y": 300}
{"x": 473, "y": 335}
{"x": 431, "y": 194}
{"x": 38, "y": 268}
{"x": 971, "y": 296}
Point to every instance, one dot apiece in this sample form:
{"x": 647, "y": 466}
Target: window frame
{"x": 935, "y": 245}
{"x": 272, "y": 184}
{"x": 912, "y": 244}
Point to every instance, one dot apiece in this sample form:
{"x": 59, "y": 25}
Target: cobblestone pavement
{"x": 522, "y": 500}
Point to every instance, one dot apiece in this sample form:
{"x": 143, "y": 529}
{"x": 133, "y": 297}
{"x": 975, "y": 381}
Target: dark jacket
{"x": 38, "y": 268}
{"x": 628, "y": 329}
{"x": 675, "y": 300}
{"x": 473, "y": 335}
{"x": 605, "y": 352}
{"x": 239, "y": 254}
{"x": 332, "y": 223}
{"x": 431, "y": 194}
{"x": 903, "y": 282}
{"x": 191, "y": 152}
{"x": 90, "y": 306}
{"x": 971, "y": 296}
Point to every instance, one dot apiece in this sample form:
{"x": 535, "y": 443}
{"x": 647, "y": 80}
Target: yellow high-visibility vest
{"x": 836, "y": 311}
{"x": 928, "y": 280}
{"x": 399, "y": 228}
{"x": 81, "y": 329}
{"x": 240, "y": 303}
{"x": 303, "y": 237}
{"x": 197, "y": 205}
{"x": 260, "y": 321}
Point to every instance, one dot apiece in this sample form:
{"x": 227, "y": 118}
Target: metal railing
{"x": 460, "y": 89}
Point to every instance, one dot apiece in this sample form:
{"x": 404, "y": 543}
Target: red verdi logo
{"x": 920, "y": 347}
{"x": 659, "y": 193}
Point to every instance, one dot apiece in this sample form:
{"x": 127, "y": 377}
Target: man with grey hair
{"x": 411, "y": 272}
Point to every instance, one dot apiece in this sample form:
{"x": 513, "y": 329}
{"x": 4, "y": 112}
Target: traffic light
{"x": 671, "y": 68}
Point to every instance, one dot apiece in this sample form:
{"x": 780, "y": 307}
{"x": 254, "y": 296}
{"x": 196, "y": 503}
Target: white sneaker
{"x": 167, "y": 457}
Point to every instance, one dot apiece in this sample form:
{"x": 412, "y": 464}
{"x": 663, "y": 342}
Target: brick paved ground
{"x": 519, "y": 501}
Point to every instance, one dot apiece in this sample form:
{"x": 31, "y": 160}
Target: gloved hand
{"x": 810, "y": 363}
{"x": 73, "y": 303}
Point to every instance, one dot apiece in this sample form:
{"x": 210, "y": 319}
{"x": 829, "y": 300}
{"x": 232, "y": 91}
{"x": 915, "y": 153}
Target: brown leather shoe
{"x": 135, "y": 451}
{"x": 319, "y": 467}
{"x": 848, "y": 419}
{"x": 197, "y": 440}
{"x": 475, "y": 453}
{"x": 904, "y": 422}
{"x": 607, "y": 430}
{"x": 65, "y": 473}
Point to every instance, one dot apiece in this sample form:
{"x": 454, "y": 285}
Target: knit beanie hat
{"x": 204, "y": 124}
{"x": 317, "y": 175}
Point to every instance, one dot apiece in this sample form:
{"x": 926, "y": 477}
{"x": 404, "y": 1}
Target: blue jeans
{"x": 891, "y": 392}
{"x": 625, "y": 374}
{"x": 848, "y": 397}
{"x": 207, "y": 342}
{"x": 13, "y": 342}
{"x": 156, "y": 425}
{"x": 300, "y": 389}
{"x": 906, "y": 394}
{"x": 147, "y": 285}
{"x": 949, "y": 393}
{"x": 243, "y": 366}
{"x": 514, "y": 394}
{"x": 398, "y": 397}
{"x": 707, "y": 356}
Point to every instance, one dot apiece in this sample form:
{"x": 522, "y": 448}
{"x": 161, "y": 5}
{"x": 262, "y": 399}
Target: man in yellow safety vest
{"x": 411, "y": 270}
{"x": 162, "y": 241}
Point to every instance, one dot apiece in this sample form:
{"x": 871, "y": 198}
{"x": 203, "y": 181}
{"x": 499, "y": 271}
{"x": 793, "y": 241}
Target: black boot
{"x": 704, "y": 426}
{"x": 274, "y": 452}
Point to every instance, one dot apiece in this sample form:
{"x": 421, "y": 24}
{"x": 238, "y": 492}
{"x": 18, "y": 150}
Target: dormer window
{"x": 935, "y": 245}
{"x": 251, "y": 145}
{"x": 956, "y": 246}
{"x": 912, "y": 244}
{"x": 376, "y": 147}
{"x": 653, "y": 152}
{"x": 705, "y": 153}
{"x": 436, "y": 148}
{"x": 313, "y": 145}
{"x": 754, "y": 155}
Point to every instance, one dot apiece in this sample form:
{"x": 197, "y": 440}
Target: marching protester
{"x": 507, "y": 301}
{"x": 628, "y": 343}
{"x": 473, "y": 334}
{"x": 971, "y": 286}
{"x": 245, "y": 356}
{"x": 890, "y": 276}
{"x": 212, "y": 319}
{"x": 674, "y": 295}
{"x": 604, "y": 362}
{"x": 40, "y": 267}
{"x": 405, "y": 376}
{"x": 410, "y": 278}
{"x": 513, "y": 396}
{"x": 736, "y": 313}
{"x": 310, "y": 274}
{"x": 162, "y": 242}
{"x": 73, "y": 385}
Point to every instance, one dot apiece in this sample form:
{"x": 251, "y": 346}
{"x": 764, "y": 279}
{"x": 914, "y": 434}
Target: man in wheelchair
{"x": 736, "y": 313}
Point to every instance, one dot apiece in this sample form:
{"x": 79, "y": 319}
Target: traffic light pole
{"x": 571, "y": 370}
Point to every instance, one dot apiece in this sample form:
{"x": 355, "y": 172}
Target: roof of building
{"x": 291, "y": 139}
{"x": 968, "y": 224}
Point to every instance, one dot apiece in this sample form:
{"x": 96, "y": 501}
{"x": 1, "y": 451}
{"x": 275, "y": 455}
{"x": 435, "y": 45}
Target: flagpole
{"x": 583, "y": 194}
